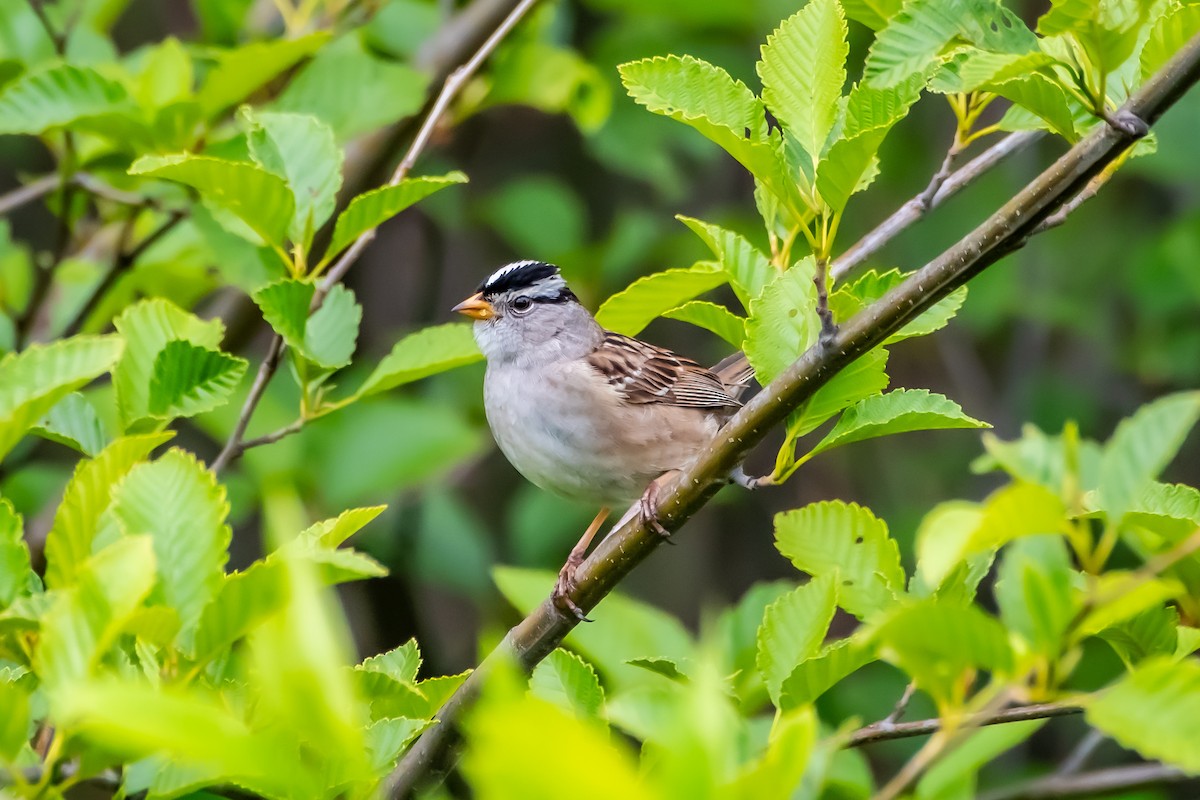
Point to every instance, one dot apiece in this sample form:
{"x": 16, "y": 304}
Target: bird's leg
{"x": 648, "y": 504}
{"x": 566, "y": 576}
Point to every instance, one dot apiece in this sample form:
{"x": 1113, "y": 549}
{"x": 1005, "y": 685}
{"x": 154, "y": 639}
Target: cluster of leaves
{"x": 143, "y": 652}
{"x": 734, "y": 714}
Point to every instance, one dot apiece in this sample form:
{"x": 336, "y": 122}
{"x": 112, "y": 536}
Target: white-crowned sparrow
{"x": 586, "y": 413}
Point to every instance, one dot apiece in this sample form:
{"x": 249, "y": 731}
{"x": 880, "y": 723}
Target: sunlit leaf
{"x": 86, "y": 498}
{"x": 865, "y": 377}
{"x": 793, "y": 629}
{"x": 633, "y": 308}
{"x": 65, "y": 95}
{"x": 375, "y": 207}
{"x": 846, "y": 540}
{"x": 748, "y": 268}
{"x": 803, "y": 67}
{"x": 1154, "y": 710}
{"x": 73, "y": 422}
{"x": 936, "y": 643}
{"x": 724, "y": 110}
{"x": 1153, "y": 632}
{"x": 328, "y": 336}
{"x": 400, "y": 663}
{"x": 1037, "y": 593}
{"x": 958, "y": 771}
{"x": 241, "y": 601}
{"x": 1141, "y": 447}
{"x": 17, "y": 577}
{"x": 568, "y": 681}
{"x": 783, "y": 764}
{"x": 421, "y": 354}
{"x": 814, "y": 676}
{"x": 33, "y": 381}
{"x": 241, "y": 71}
{"x": 869, "y": 287}
{"x": 257, "y": 197}
{"x": 898, "y": 411}
{"x": 1173, "y": 30}
{"x": 783, "y": 322}
{"x": 182, "y": 507}
{"x": 712, "y": 317}
{"x": 300, "y": 149}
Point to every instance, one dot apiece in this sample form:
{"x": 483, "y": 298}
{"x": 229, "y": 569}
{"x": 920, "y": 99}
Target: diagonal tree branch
{"x": 1005, "y": 231}
{"x": 1099, "y": 783}
{"x": 455, "y": 81}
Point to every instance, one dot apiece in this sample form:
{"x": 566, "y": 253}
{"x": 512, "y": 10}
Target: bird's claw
{"x": 648, "y": 511}
{"x": 564, "y": 587}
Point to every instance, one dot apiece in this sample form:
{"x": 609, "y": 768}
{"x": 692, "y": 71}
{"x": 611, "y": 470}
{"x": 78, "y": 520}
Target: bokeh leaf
{"x": 793, "y": 629}
{"x": 1141, "y": 446}
{"x": 566, "y": 680}
{"x": 1154, "y": 710}
{"x": 73, "y": 422}
{"x": 242, "y": 70}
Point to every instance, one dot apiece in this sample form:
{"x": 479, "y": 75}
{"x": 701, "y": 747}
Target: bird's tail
{"x": 735, "y": 372}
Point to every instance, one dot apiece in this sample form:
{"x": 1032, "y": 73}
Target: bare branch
{"x": 31, "y": 191}
{"x": 453, "y": 85}
{"x": 916, "y": 208}
{"x": 1005, "y": 231}
{"x": 1078, "y": 758}
{"x": 884, "y": 730}
{"x": 1092, "y": 784}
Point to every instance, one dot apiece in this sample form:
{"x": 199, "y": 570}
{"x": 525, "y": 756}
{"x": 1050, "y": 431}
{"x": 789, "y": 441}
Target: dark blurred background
{"x": 1086, "y": 323}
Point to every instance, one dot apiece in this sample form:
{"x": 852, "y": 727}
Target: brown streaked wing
{"x": 644, "y": 373}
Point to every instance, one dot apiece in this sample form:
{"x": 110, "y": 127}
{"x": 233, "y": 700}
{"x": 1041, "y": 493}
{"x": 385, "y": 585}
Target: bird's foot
{"x": 565, "y": 586}
{"x": 648, "y": 511}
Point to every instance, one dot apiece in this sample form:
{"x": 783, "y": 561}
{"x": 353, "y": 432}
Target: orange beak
{"x": 476, "y": 307}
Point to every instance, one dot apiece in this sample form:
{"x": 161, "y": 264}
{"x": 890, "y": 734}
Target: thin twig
{"x": 925, "y": 198}
{"x": 914, "y": 209}
{"x": 453, "y": 85}
{"x": 31, "y": 191}
{"x": 58, "y": 39}
{"x": 1078, "y": 758}
{"x": 1099, "y": 783}
{"x": 901, "y": 706}
{"x": 1006, "y": 230}
{"x": 122, "y": 263}
{"x": 43, "y": 275}
{"x": 883, "y": 731}
{"x": 1087, "y": 193}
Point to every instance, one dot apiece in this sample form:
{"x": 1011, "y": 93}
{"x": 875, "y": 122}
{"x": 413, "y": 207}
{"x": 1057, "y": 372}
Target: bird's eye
{"x": 522, "y": 304}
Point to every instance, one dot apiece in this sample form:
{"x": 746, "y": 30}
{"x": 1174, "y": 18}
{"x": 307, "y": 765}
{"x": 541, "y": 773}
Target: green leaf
{"x": 1043, "y": 97}
{"x": 1036, "y": 592}
{"x": 625, "y": 629}
{"x": 300, "y": 149}
{"x": 33, "y": 381}
{"x": 1041, "y": 459}
{"x": 242, "y": 71}
{"x": 872, "y": 13}
{"x": 846, "y": 540}
{"x": 736, "y": 635}
{"x": 328, "y": 337}
{"x": 900, "y": 411}
{"x": 784, "y": 763}
{"x": 942, "y": 538}
{"x": 87, "y": 497}
{"x": 64, "y": 95}
{"x": 387, "y": 738}
{"x": 802, "y": 69}
{"x": 630, "y": 310}
{"x": 421, "y": 354}
{"x": 255, "y": 196}
{"x": 333, "y": 532}
{"x": 660, "y": 666}
{"x": 1107, "y": 31}
{"x": 15, "y": 722}
{"x": 17, "y": 577}
{"x": 84, "y": 620}
{"x": 242, "y": 601}
{"x": 1154, "y": 710}
{"x": 1153, "y": 632}
{"x": 353, "y": 91}
{"x": 1121, "y": 595}
{"x": 182, "y": 507}
{"x": 189, "y": 380}
{"x": 712, "y": 317}
{"x": 1141, "y": 447}
{"x": 748, "y": 268}
{"x": 400, "y": 664}
{"x": 568, "y": 681}
{"x": 148, "y": 327}
{"x": 371, "y": 209}
{"x": 871, "y": 111}
{"x": 704, "y": 97}
{"x": 865, "y": 377}
{"x": 792, "y": 630}
{"x": 914, "y": 38}
{"x": 936, "y": 643}
{"x": 1173, "y": 30}
{"x": 783, "y": 322}
{"x": 816, "y": 675}
{"x": 1017, "y": 510}
{"x": 73, "y": 422}
{"x": 869, "y": 287}
{"x": 954, "y": 776}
